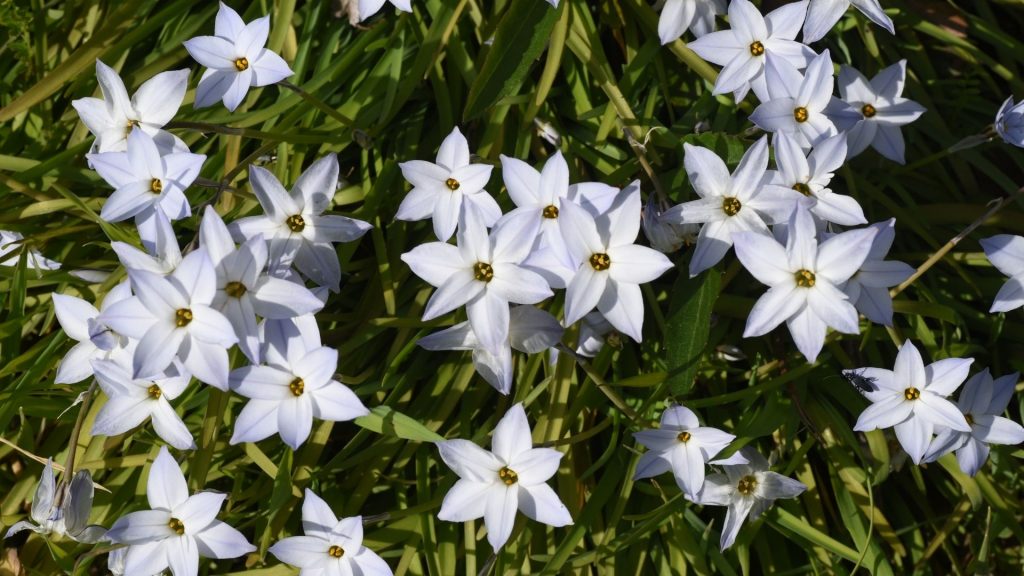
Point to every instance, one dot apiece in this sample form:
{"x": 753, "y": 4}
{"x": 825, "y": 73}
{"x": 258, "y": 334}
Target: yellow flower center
{"x": 182, "y": 317}
{"x": 684, "y": 436}
{"x": 805, "y": 278}
{"x": 731, "y": 206}
{"x": 154, "y": 391}
{"x": 911, "y": 393}
{"x": 296, "y": 223}
{"x": 241, "y": 64}
{"x": 235, "y": 289}
{"x": 800, "y": 114}
{"x": 550, "y": 212}
{"x": 452, "y": 184}
{"x": 129, "y": 126}
{"x": 156, "y": 186}
{"x": 969, "y": 418}
{"x": 746, "y": 485}
{"x": 335, "y": 551}
{"x": 508, "y": 476}
{"x": 802, "y": 188}
{"x": 483, "y": 272}
{"x": 297, "y": 387}
{"x": 600, "y": 261}
{"x": 756, "y": 48}
{"x": 177, "y": 526}
{"x": 868, "y": 111}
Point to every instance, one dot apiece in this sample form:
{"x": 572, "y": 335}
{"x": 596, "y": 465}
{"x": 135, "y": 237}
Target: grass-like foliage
{"x": 521, "y": 79}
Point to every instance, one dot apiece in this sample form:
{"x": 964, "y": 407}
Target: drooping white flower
{"x": 441, "y": 188}
{"x": 172, "y": 317}
{"x": 748, "y": 490}
{"x": 244, "y": 289}
{"x": 330, "y": 546}
{"x": 883, "y": 110}
{"x": 95, "y": 340}
{"x": 530, "y": 330}
{"x": 679, "y": 15}
{"x": 144, "y": 181}
{"x": 911, "y": 399}
{"x": 236, "y": 59}
{"x": 743, "y": 49}
{"x": 295, "y": 225}
{"x": 804, "y": 280}
{"x": 178, "y": 528}
{"x": 289, "y": 392}
{"x": 728, "y": 204}
{"x": 666, "y": 235}
{"x": 868, "y": 288}
{"x": 798, "y": 102}
{"x": 112, "y": 118}
{"x": 11, "y": 246}
{"x": 595, "y": 332}
{"x": 982, "y": 401}
{"x": 368, "y": 8}
{"x": 130, "y": 401}
{"x": 62, "y": 508}
{"x": 1006, "y": 253}
{"x": 1010, "y": 122}
{"x": 494, "y": 485}
{"x": 681, "y": 446}
{"x": 483, "y": 273}
{"x": 822, "y": 15}
{"x": 612, "y": 266}
{"x": 811, "y": 175}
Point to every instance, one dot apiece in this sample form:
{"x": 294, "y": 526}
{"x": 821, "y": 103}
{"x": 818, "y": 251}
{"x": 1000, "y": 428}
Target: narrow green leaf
{"x": 386, "y": 420}
{"x": 689, "y": 322}
{"x": 521, "y": 37}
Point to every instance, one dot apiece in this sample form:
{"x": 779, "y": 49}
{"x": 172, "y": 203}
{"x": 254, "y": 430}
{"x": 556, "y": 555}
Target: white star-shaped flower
{"x": 368, "y": 8}
{"x": 612, "y": 266}
{"x": 883, "y": 110}
{"x": 482, "y": 273}
{"x": 728, "y": 204}
{"x": 681, "y": 445}
{"x": 494, "y": 485}
{"x": 144, "y": 181}
{"x": 132, "y": 400}
{"x": 798, "y": 102}
{"x": 295, "y": 225}
{"x": 330, "y": 546}
{"x": 530, "y": 330}
{"x": 1010, "y": 122}
{"x": 677, "y": 16}
{"x": 811, "y": 175}
{"x": 982, "y": 401}
{"x": 236, "y": 59}
{"x": 441, "y": 188}
{"x": 162, "y": 254}
{"x": 288, "y": 393}
{"x": 1006, "y": 253}
{"x": 112, "y": 118}
{"x": 172, "y": 317}
{"x": 748, "y": 490}
{"x": 868, "y": 289}
{"x": 804, "y": 280}
{"x": 244, "y": 289}
{"x": 95, "y": 340}
{"x": 178, "y": 528}
{"x": 911, "y": 399}
{"x": 743, "y": 49}
{"x": 822, "y": 15}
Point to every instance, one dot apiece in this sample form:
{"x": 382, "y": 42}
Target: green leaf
{"x": 386, "y": 420}
{"x": 521, "y": 37}
{"x": 689, "y": 322}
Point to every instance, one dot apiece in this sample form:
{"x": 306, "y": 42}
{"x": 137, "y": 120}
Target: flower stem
{"x": 319, "y": 104}
{"x": 997, "y": 205}
{"x": 69, "y": 464}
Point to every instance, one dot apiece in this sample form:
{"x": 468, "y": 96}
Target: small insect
{"x": 862, "y": 383}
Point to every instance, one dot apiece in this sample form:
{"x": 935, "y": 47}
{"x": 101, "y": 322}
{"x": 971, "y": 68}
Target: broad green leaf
{"x": 689, "y": 321}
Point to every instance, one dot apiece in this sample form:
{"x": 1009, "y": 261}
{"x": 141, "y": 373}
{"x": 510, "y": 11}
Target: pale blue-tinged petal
{"x": 808, "y": 331}
{"x": 212, "y": 52}
{"x": 945, "y": 376}
{"x": 512, "y": 434}
{"x": 219, "y": 540}
{"x": 622, "y": 305}
{"x": 469, "y": 461}
{"x": 295, "y": 420}
{"x": 141, "y": 527}
{"x": 539, "y": 502}
{"x": 337, "y": 403}
{"x": 583, "y": 293}
{"x": 256, "y": 421}
{"x": 915, "y": 434}
{"x": 300, "y": 551}
{"x": 465, "y": 501}
{"x": 739, "y": 508}
{"x": 502, "y": 502}
{"x": 207, "y": 362}
{"x": 940, "y": 412}
{"x": 774, "y": 307}
{"x": 908, "y": 370}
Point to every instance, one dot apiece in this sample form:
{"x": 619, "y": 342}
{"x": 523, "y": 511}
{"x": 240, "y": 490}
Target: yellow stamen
{"x": 182, "y": 317}
{"x": 731, "y": 206}
{"x": 805, "y": 278}
{"x": 483, "y": 272}
{"x": 297, "y": 387}
{"x": 508, "y": 476}
{"x": 600, "y": 261}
